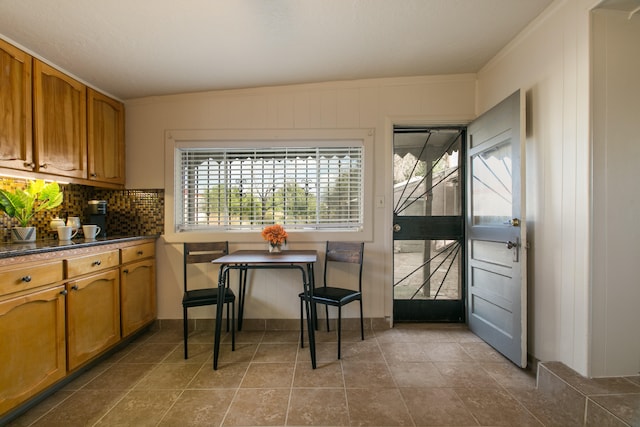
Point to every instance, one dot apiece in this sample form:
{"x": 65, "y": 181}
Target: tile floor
{"x": 412, "y": 375}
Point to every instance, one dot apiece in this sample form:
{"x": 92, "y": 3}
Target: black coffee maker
{"x": 97, "y": 214}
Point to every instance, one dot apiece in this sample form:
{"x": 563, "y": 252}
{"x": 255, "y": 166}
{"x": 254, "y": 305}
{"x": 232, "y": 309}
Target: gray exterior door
{"x": 496, "y": 229}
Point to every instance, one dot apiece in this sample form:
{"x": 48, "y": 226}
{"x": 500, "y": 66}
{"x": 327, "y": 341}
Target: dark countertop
{"x": 8, "y": 250}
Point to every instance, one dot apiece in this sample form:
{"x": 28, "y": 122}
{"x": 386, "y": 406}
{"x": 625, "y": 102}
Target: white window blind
{"x": 248, "y": 188}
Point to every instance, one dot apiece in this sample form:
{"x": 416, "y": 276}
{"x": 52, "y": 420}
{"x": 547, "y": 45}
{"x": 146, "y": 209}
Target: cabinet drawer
{"x": 23, "y": 277}
{"x": 91, "y": 263}
{"x": 137, "y": 252}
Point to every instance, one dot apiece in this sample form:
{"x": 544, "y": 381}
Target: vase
{"x": 23, "y": 234}
{"x": 275, "y": 249}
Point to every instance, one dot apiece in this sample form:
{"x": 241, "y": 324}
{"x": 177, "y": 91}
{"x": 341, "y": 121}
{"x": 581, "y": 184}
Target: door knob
{"x": 396, "y": 227}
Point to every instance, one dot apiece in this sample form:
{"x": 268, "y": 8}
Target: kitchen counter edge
{"x": 42, "y": 249}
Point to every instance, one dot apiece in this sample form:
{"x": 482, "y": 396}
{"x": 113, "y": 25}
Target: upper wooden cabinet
{"x": 60, "y": 122}
{"x": 105, "y": 123}
{"x": 52, "y": 125}
{"x": 15, "y": 103}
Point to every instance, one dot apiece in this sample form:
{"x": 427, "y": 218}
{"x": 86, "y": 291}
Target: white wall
{"x": 615, "y": 345}
{"x": 550, "y": 62}
{"x": 366, "y": 104}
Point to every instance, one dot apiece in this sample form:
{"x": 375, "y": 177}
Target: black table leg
{"x": 219, "y": 306}
{"x": 242, "y": 291}
{"x": 310, "y": 314}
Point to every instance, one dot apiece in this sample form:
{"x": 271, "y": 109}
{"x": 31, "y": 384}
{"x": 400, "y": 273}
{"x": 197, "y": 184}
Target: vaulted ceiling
{"x": 139, "y": 48}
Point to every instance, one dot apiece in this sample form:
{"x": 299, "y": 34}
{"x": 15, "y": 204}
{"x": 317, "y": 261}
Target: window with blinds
{"x": 247, "y": 188}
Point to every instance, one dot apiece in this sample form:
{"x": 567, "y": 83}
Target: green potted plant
{"x": 24, "y": 204}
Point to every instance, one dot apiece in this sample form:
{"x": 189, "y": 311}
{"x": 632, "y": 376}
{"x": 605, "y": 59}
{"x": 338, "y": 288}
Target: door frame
{"x": 390, "y": 123}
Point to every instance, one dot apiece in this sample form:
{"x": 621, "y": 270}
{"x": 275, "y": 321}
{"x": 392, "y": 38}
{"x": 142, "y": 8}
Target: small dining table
{"x": 245, "y": 260}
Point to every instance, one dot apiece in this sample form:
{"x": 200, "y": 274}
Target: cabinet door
{"x": 33, "y": 345}
{"x": 105, "y": 124}
{"x": 93, "y": 316}
{"x": 138, "y": 295}
{"x": 60, "y": 105}
{"x": 15, "y": 99}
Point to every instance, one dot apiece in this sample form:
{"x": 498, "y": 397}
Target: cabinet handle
{"x": 63, "y": 292}
{"x": 43, "y": 166}
{"x": 98, "y": 262}
{"x": 125, "y": 271}
{"x": 94, "y": 175}
{"x": 140, "y": 253}
{"x": 26, "y": 279}
{"x": 74, "y": 287}
{"x": 29, "y": 165}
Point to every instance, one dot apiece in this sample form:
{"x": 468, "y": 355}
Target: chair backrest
{"x": 347, "y": 252}
{"x": 199, "y": 253}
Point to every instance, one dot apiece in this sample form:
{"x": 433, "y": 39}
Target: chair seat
{"x": 205, "y": 296}
{"x": 333, "y": 296}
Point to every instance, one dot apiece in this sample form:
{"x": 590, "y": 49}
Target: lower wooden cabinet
{"x": 137, "y": 295}
{"x": 93, "y": 316}
{"x": 63, "y": 312}
{"x": 32, "y": 328}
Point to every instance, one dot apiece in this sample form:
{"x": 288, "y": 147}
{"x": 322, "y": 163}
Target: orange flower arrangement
{"x": 275, "y": 235}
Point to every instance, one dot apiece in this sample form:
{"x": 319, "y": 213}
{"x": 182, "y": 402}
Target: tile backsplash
{"x": 129, "y": 212}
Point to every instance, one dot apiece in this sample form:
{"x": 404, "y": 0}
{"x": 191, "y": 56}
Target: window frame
{"x": 175, "y": 139}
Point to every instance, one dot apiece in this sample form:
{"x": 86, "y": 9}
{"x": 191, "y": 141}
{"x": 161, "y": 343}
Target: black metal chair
{"x": 199, "y": 253}
{"x": 337, "y": 252}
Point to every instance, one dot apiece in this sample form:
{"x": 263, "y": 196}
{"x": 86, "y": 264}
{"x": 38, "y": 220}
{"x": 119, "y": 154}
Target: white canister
{"x": 73, "y": 221}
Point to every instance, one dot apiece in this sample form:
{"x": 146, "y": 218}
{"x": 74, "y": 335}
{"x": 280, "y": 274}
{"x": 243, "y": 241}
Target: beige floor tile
{"x": 168, "y": 376}
{"x": 445, "y": 352}
{"x": 496, "y": 408}
{"x": 325, "y": 375}
{"x": 361, "y": 351}
{"x": 562, "y": 409}
{"x": 168, "y": 335}
{"x": 40, "y": 409}
{"x": 281, "y": 337}
{"x": 198, "y": 354}
{"x": 120, "y": 376}
{"x": 268, "y": 352}
{"x": 226, "y": 376}
{"x": 318, "y": 407}
{"x": 251, "y": 337}
{"x": 597, "y": 416}
{"x": 81, "y": 409}
{"x": 417, "y": 374}
{"x": 465, "y": 374}
{"x": 401, "y": 334}
{"x": 377, "y": 407}
{"x": 367, "y": 375}
{"x": 624, "y": 406}
{"x": 483, "y": 352}
{"x": 436, "y": 407}
{"x": 326, "y": 352}
{"x": 322, "y": 336}
{"x": 403, "y": 352}
{"x": 268, "y": 375}
{"x": 509, "y": 375}
{"x": 591, "y": 386}
{"x": 258, "y": 407}
{"x": 148, "y": 353}
{"x": 203, "y": 336}
{"x": 87, "y": 377}
{"x": 243, "y": 353}
{"x": 140, "y": 408}
{"x": 198, "y": 408}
